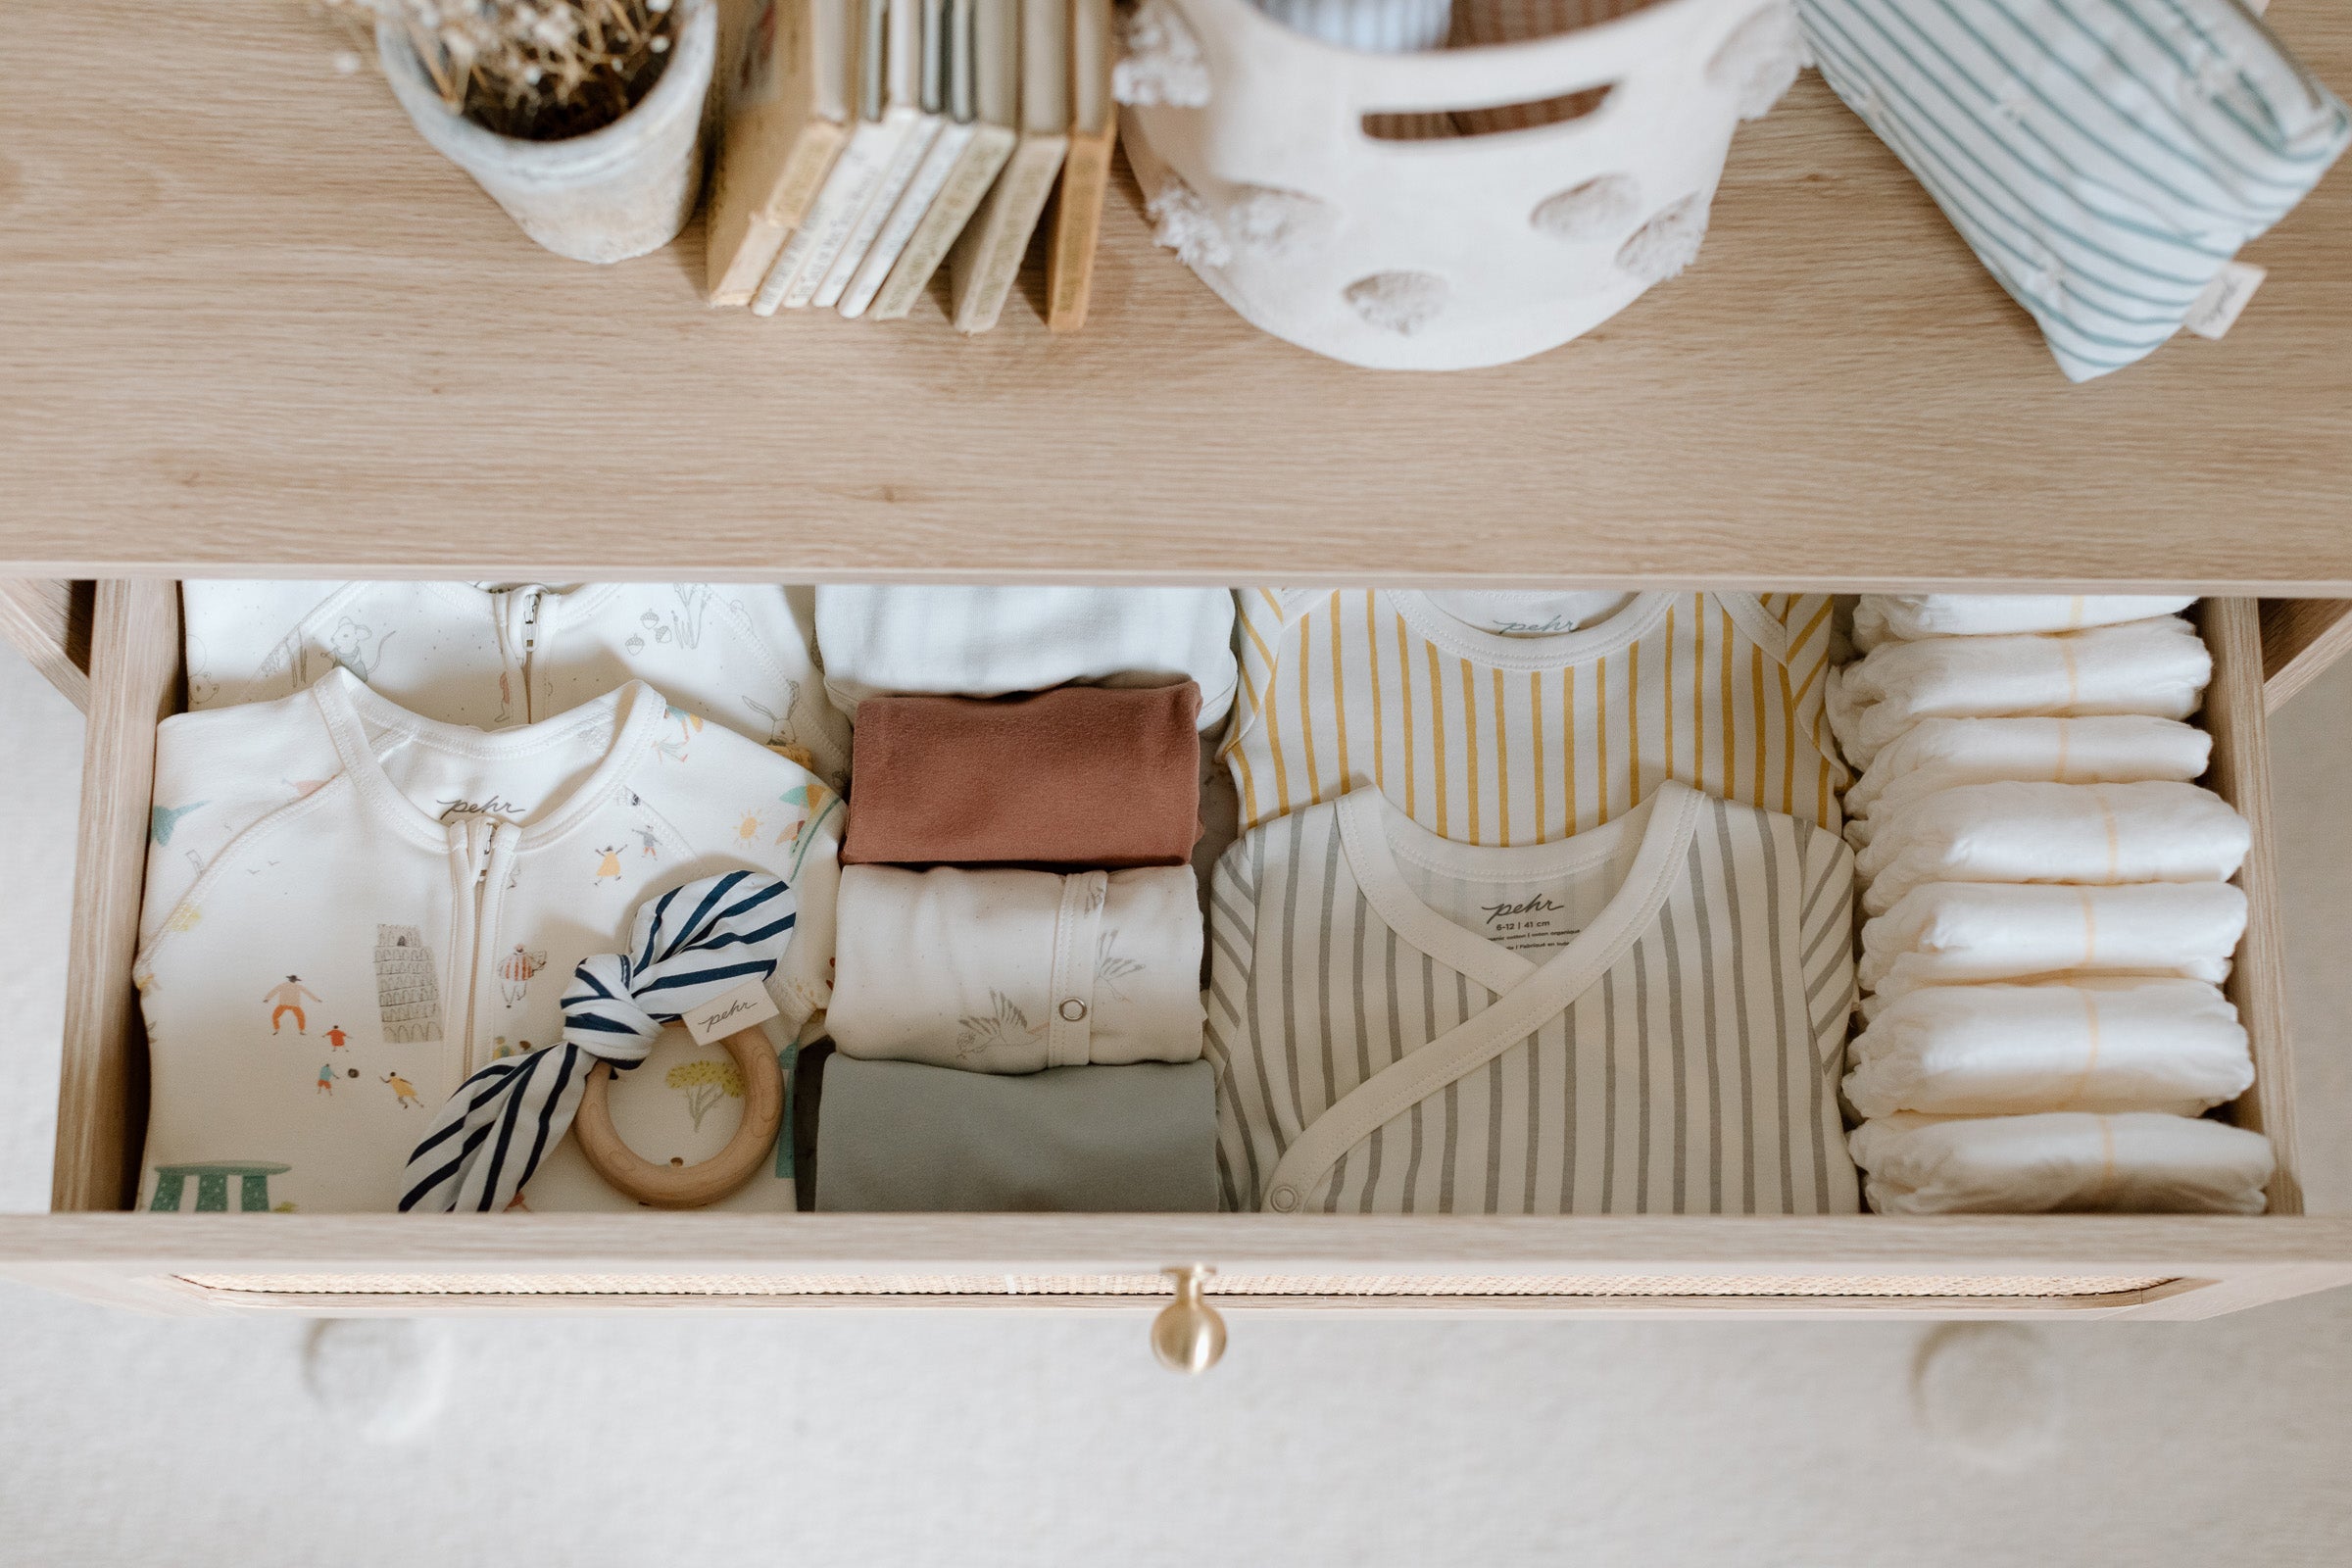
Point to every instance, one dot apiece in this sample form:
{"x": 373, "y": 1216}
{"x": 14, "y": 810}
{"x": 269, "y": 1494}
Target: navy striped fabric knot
{"x": 689, "y": 946}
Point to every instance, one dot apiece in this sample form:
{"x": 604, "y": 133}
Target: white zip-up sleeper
{"x": 742, "y": 653}
{"x": 350, "y": 908}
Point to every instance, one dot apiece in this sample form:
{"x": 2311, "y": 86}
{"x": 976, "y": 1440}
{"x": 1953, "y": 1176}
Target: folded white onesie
{"x": 2086, "y": 835}
{"x": 1908, "y": 617}
{"x": 1948, "y": 933}
{"x": 2142, "y": 666}
{"x": 986, "y": 642}
{"x": 2065, "y": 1161}
{"x": 1015, "y": 972}
{"x": 461, "y": 652}
{"x": 1941, "y": 753}
{"x": 2118, "y": 1045}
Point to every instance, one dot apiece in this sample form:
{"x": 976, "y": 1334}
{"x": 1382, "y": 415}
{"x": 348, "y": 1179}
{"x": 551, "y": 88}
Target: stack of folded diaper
{"x": 2049, "y": 910}
{"x": 1016, "y": 1011}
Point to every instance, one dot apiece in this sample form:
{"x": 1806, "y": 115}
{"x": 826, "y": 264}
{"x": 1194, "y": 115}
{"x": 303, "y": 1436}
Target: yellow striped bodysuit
{"x": 1489, "y": 737}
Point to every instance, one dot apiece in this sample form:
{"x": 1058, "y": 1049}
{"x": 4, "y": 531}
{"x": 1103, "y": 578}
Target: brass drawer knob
{"x": 1189, "y": 1335}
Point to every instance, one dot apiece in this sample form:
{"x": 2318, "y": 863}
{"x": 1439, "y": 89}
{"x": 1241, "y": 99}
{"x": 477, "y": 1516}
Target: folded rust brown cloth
{"x": 1088, "y": 776}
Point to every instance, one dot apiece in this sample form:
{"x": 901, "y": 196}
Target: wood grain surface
{"x": 2237, "y": 713}
{"x": 48, "y": 621}
{"x": 102, "y": 1080}
{"x": 2209, "y": 1265}
{"x": 788, "y": 1245}
{"x": 2301, "y": 637}
{"x": 249, "y": 323}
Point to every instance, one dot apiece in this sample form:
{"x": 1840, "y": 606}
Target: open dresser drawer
{"x": 2148, "y": 1266}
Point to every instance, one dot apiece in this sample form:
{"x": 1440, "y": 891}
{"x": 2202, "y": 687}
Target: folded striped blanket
{"x": 2105, "y": 159}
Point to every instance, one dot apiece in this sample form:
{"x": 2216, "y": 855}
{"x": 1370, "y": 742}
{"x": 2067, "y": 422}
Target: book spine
{"x": 805, "y": 172}
{"x": 1077, "y": 229}
{"x": 914, "y": 141}
{"x": 754, "y": 255}
{"x": 881, "y": 139}
{"x": 737, "y": 269}
{"x": 906, "y": 217}
{"x": 991, "y": 252}
{"x": 945, "y": 222}
{"x": 837, "y": 209}
{"x": 788, "y": 266}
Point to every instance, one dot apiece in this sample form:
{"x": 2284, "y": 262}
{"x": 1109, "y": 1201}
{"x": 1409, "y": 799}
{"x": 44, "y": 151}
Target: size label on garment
{"x": 747, "y": 1007}
{"x": 1527, "y": 924}
{"x": 2225, "y": 299}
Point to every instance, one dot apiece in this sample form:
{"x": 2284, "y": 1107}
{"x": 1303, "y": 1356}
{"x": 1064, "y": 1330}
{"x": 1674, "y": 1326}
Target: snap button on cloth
{"x": 1073, "y": 1009}
{"x": 1284, "y": 1200}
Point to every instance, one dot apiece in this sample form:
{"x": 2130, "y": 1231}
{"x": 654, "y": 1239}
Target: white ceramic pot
{"x": 612, "y": 194}
{"x": 1250, "y": 142}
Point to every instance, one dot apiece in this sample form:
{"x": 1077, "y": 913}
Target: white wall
{"x": 972, "y": 1438}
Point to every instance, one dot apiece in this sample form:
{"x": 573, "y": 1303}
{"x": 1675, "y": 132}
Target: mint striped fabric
{"x": 2104, "y": 158}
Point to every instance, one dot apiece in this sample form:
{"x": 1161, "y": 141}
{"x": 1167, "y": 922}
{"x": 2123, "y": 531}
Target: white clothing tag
{"x": 1533, "y": 924}
{"x": 746, "y": 1006}
{"x": 1511, "y": 613}
{"x": 2225, "y": 299}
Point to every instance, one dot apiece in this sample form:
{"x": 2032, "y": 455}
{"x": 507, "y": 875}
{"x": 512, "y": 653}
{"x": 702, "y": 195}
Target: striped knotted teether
{"x": 687, "y": 947}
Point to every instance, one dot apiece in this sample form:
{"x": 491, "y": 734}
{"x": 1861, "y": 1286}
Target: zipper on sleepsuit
{"x": 533, "y": 599}
{"x": 484, "y": 836}
{"x": 474, "y": 843}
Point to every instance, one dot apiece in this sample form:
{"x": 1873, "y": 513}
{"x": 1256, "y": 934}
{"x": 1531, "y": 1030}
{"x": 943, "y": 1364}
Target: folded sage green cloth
{"x": 900, "y": 1136}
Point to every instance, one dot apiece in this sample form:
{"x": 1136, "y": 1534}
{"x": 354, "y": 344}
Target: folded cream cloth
{"x": 2138, "y": 1162}
{"x": 2095, "y": 1045}
{"x": 1015, "y": 972}
{"x": 994, "y": 640}
{"x": 1954, "y": 933}
{"x": 2087, "y": 835}
{"x": 1907, "y": 617}
{"x": 2143, "y": 666}
{"x": 1937, "y": 753}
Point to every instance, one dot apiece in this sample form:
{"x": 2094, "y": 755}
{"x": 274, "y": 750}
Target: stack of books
{"x": 869, "y": 143}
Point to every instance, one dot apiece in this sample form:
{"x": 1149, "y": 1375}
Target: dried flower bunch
{"x": 540, "y": 70}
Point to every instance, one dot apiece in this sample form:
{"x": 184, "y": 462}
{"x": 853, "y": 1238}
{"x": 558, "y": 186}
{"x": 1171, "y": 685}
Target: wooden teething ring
{"x": 688, "y": 1186}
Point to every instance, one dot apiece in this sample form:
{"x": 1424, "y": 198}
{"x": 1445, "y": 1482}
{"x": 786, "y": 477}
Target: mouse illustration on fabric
{"x": 351, "y": 646}
{"x": 203, "y": 689}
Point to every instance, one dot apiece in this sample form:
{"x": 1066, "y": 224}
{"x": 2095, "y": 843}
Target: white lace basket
{"x": 1252, "y": 146}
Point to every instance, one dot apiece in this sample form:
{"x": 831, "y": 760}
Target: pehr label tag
{"x": 746, "y": 1006}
